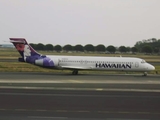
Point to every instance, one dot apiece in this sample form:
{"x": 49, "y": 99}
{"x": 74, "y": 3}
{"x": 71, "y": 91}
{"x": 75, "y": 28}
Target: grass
{"x": 25, "y": 67}
{"x": 157, "y": 68}
{"x": 20, "y": 67}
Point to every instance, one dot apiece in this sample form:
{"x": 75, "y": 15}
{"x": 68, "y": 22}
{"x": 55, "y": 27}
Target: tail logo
{"x": 20, "y": 47}
{"x": 27, "y": 51}
{"x": 24, "y": 48}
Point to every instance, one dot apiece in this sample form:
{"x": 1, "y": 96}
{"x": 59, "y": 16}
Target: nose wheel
{"x": 75, "y": 72}
{"x": 145, "y": 74}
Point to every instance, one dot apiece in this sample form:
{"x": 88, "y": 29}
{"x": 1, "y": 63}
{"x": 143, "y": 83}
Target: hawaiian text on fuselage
{"x": 105, "y": 65}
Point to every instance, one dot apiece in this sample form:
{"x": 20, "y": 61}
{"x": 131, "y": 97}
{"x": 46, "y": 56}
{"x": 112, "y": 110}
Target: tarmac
{"x": 52, "y": 96}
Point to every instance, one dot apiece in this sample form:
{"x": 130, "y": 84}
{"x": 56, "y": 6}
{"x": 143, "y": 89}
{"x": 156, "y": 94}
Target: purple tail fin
{"x": 29, "y": 55}
{"x": 25, "y": 50}
{"x": 23, "y": 47}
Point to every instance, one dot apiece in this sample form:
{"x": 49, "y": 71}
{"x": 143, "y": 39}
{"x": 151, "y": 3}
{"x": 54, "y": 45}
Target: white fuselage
{"x": 101, "y": 63}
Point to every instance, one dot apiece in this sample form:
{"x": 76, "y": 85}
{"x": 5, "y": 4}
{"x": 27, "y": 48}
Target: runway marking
{"x": 10, "y": 82}
{"x": 99, "y": 89}
{"x": 143, "y": 112}
{"x": 61, "y": 110}
{"x": 82, "y": 111}
{"x": 40, "y": 110}
{"x": 20, "y": 109}
{"x": 75, "y": 81}
{"x": 41, "y": 117}
{"x": 103, "y": 111}
{"x": 30, "y": 81}
{"x": 123, "y": 112}
{"x": 94, "y": 89}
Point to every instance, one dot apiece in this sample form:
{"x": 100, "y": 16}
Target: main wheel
{"x": 75, "y": 72}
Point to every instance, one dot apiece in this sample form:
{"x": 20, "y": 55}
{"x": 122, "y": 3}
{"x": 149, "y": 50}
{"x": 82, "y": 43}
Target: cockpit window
{"x": 143, "y": 61}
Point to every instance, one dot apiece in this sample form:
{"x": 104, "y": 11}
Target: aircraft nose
{"x": 151, "y": 67}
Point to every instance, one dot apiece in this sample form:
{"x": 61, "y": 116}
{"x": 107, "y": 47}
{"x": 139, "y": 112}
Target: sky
{"x": 107, "y": 22}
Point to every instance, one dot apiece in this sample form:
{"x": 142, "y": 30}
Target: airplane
{"x": 76, "y": 63}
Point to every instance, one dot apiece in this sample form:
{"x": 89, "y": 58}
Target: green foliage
{"x": 68, "y": 47}
{"x": 111, "y": 49}
{"x": 156, "y": 49}
{"x": 153, "y": 43}
{"x": 40, "y": 46}
{"x": 34, "y": 46}
{"x": 58, "y": 48}
{"x": 134, "y": 49}
{"x": 128, "y": 49}
{"x": 89, "y": 47}
{"x": 79, "y": 48}
{"x": 49, "y": 47}
{"x": 140, "y": 47}
{"x": 100, "y": 48}
{"x": 147, "y": 49}
{"x": 122, "y": 49}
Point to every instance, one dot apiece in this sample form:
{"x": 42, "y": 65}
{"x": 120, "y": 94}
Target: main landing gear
{"x": 75, "y": 72}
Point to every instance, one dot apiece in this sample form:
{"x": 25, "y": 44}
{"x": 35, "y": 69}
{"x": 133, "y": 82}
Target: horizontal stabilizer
{"x": 18, "y": 40}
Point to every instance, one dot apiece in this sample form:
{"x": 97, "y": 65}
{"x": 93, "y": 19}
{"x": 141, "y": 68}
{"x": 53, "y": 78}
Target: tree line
{"x": 144, "y": 46}
{"x": 80, "y": 48}
{"x": 148, "y": 46}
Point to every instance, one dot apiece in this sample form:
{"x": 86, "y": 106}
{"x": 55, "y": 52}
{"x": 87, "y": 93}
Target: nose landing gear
{"x": 145, "y": 74}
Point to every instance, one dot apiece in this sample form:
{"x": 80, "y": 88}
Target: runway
{"x": 46, "y": 96}
{"x": 36, "y": 76}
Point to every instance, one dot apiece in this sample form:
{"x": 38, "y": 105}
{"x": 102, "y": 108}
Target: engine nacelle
{"x": 47, "y": 62}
